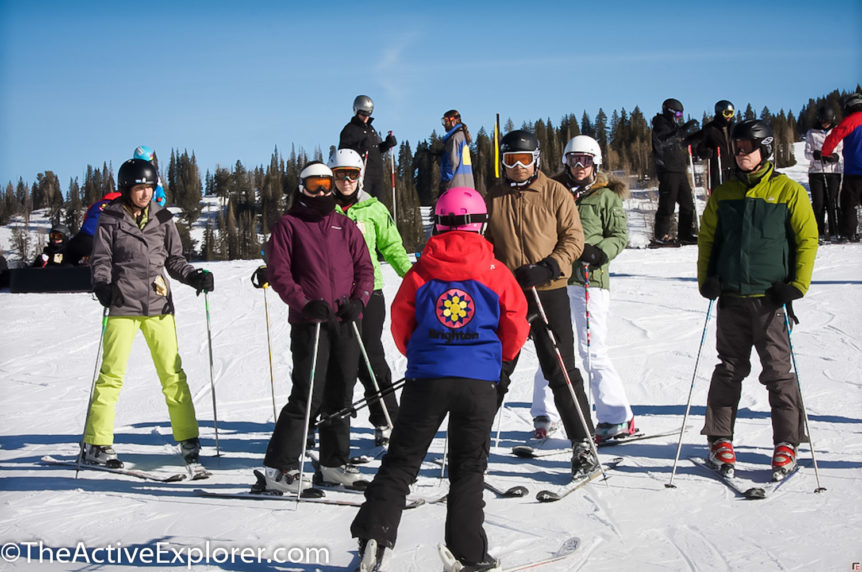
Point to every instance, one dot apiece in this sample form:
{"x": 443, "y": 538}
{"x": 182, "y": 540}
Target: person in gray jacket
{"x": 135, "y": 242}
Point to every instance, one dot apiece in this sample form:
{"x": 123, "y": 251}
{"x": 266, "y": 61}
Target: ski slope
{"x": 49, "y": 345}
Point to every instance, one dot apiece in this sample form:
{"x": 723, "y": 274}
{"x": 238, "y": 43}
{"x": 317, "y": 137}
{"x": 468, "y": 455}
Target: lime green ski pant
{"x": 161, "y": 335}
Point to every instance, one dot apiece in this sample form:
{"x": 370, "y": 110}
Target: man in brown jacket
{"x": 536, "y": 231}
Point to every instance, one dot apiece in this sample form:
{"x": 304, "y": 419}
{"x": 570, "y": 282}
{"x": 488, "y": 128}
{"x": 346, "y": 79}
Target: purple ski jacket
{"x": 318, "y": 258}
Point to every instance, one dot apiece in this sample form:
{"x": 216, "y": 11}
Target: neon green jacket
{"x": 373, "y": 219}
{"x": 757, "y": 229}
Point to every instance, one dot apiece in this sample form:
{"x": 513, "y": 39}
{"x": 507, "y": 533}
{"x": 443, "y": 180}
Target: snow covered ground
{"x": 49, "y": 344}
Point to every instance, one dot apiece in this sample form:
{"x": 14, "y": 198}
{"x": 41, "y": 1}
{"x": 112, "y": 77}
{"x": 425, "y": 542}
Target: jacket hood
{"x": 456, "y": 254}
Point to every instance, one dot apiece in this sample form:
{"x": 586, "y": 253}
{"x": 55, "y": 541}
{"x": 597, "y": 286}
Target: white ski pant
{"x": 612, "y": 405}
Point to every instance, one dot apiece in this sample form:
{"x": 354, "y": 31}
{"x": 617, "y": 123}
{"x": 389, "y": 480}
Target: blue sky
{"x": 86, "y": 82}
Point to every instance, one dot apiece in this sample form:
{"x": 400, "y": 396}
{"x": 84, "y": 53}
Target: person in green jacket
{"x": 600, "y": 206}
{"x": 373, "y": 219}
{"x": 756, "y": 251}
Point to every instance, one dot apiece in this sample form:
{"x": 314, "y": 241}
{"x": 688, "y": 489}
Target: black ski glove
{"x": 104, "y": 293}
{"x": 530, "y": 275}
{"x": 711, "y": 288}
{"x": 317, "y": 311}
{"x": 350, "y": 310}
{"x": 259, "y": 278}
{"x": 783, "y": 293}
{"x": 593, "y": 255}
{"x": 390, "y": 141}
{"x": 817, "y": 155}
{"x": 201, "y": 280}
{"x": 833, "y": 158}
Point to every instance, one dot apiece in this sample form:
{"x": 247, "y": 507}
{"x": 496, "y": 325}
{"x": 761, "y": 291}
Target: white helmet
{"x": 586, "y": 145}
{"x": 346, "y": 159}
{"x": 314, "y": 169}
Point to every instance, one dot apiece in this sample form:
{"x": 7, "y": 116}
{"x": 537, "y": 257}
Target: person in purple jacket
{"x": 319, "y": 264}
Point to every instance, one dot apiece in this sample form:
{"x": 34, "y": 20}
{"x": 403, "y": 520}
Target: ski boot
{"x": 584, "y": 463}
{"x": 102, "y": 455}
{"x": 276, "y": 481}
{"x": 543, "y": 427}
{"x": 609, "y": 431}
{"x": 381, "y": 435}
{"x": 370, "y": 555}
{"x": 190, "y": 449}
{"x": 346, "y": 476}
{"x": 722, "y": 457}
{"x": 452, "y": 564}
{"x": 783, "y": 461}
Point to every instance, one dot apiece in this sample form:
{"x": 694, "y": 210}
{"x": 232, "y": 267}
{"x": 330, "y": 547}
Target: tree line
{"x": 251, "y": 200}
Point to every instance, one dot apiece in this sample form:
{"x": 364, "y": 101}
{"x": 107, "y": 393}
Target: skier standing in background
{"x": 849, "y": 131}
{"x": 380, "y": 233}
{"x": 824, "y": 173}
{"x": 713, "y": 143}
{"x": 360, "y": 136}
{"x": 756, "y": 254}
{"x": 458, "y": 314}
{"x": 456, "y": 167}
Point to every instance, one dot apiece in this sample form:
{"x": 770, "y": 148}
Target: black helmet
{"x": 757, "y": 131}
{"x": 853, "y": 103}
{"x": 364, "y": 104}
{"x": 61, "y": 229}
{"x": 670, "y": 106}
{"x": 519, "y": 140}
{"x": 825, "y": 114}
{"x": 724, "y": 106}
{"x": 136, "y": 172}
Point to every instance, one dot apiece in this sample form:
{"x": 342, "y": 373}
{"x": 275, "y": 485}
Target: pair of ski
{"x": 744, "y": 488}
{"x": 536, "y": 448}
{"x": 568, "y": 548}
{"x": 194, "y": 471}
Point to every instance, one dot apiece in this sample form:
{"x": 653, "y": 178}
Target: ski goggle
{"x": 317, "y": 184}
{"x": 575, "y": 160}
{"x": 743, "y": 146}
{"x": 523, "y": 158}
{"x": 728, "y": 113}
{"x": 346, "y": 174}
{"x": 56, "y": 235}
{"x": 677, "y": 114}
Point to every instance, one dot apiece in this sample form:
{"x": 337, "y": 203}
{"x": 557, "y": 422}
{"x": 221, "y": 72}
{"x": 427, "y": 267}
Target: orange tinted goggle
{"x": 346, "y": 175}
{"x": 525, "y": 159}
{"x": 317, "y": 184}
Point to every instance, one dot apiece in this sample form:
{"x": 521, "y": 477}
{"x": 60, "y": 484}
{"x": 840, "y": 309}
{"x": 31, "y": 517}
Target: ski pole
{"x": 361, "y": 404}
{"x": 265, "y": 285}
{"x": 92, "y": 390}
{"x": 212, "y": 378}
{"x": 819, "y": 488}
{"x": 720, "y": 177}
{"x": 693, "y": 194}
{"x": 499, "y": 422}
{"x": 553, "y": 338}
{"x": 587, "y": 313}
{"x": 308, "y": 407}
{"x": 371, "y": 374}
{"x": 670, "y": 484}
{"x": 394, "y": 208}
{"x": 445, "y": 453}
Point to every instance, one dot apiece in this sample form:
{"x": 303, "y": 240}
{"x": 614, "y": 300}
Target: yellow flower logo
{"x": 455, "y": 308}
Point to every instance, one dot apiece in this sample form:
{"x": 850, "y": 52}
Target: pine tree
{"x": 74, "y": 207}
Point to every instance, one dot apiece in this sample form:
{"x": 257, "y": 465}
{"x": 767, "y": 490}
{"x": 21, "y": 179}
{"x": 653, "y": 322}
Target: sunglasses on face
{"x": 364, "y": 113}
{"x": 743, "y": 146}
{"x": 317, "y": 184}
{"x": 575, "y": 160}
{"x": 728, "y": 113}
{"x": 524, "y": 159}
{"x": 346, "y": 175}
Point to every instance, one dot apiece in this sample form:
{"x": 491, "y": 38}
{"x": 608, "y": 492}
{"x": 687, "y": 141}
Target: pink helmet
{"x": 460, "y": 208}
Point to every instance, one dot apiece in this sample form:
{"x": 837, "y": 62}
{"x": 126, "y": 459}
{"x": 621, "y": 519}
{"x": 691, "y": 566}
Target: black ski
{"x": 745, "y": 488}
{"x": 530, "y": 452}
{"x": 368, "y": 455}
{"x": 575, "y": 484}
{"x": 512, "y": 492}
{"x": 116, "y": 470}
{"x": 664, "y": 244}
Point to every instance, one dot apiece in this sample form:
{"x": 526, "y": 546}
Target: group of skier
{"x": 535, "y": 246}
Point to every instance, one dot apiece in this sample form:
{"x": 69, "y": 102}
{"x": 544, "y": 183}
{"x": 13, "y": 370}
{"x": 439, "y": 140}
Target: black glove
{"x": 530, "y": 275}
{"x": 317, "y": 311}
{"x": 104, "y": 292}
{"x": 783, "y": 293}
{"x": 390, "y": 141}
{"x": 711, "y": 288}
{"x": 259, "y": 278}
{"x": 201, "y": 280}
{"x": 350, "y": 310}
{"x": 817, "y": 155}
{"x": 593, "y": 255}
{"x": 833, "y": 158}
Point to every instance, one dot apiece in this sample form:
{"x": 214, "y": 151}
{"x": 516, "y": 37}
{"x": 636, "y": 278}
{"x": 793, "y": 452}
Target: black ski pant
{"x": 673, "y": 189}
{"x": 372, "y": 333}
{"x": 334, "y": 376}
{"x": 556, "y": 305}
{"x": 824, "y": 198}
{"x": 851, "y": 193}
{"x": 470, "y": 404}
{"x": 743, "y": 323}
